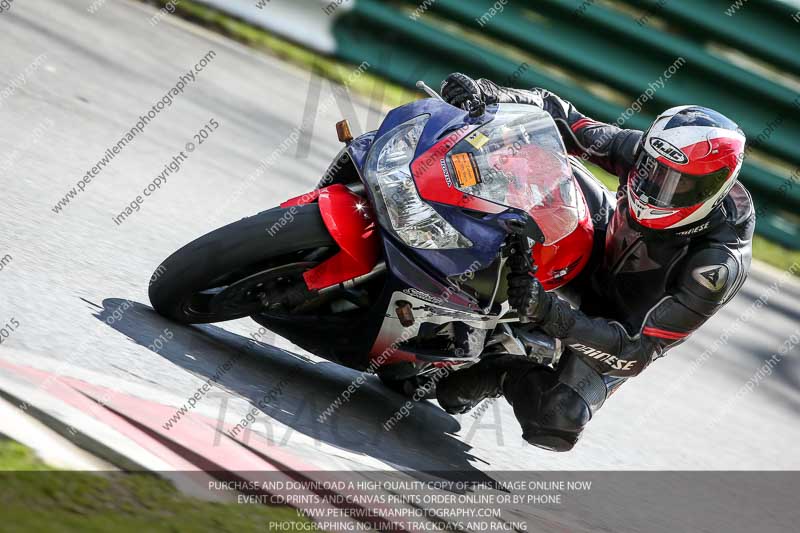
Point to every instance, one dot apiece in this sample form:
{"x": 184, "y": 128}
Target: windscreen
{"x": 519, "y": 160}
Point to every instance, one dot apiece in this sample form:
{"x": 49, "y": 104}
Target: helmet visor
{"x": 662, "y": 186}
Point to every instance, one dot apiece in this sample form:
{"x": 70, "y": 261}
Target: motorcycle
{"x": 396, "y": 262}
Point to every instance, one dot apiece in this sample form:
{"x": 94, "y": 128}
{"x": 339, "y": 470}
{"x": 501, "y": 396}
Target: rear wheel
{"x": 235, "y": 271}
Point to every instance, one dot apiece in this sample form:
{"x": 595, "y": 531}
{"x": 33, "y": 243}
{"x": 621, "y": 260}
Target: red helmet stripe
{"x": 704, "y": 159}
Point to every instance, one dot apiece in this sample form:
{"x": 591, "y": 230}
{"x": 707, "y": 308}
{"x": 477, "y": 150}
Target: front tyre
{"x": 231, "y": 272}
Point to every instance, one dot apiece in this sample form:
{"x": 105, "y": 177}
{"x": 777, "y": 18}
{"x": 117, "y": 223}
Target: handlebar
{"x": 521, "y": 245}
{"x": 422, "y": 86}
{"x": 523, "y": 234}
{"x": 475, "y": 108}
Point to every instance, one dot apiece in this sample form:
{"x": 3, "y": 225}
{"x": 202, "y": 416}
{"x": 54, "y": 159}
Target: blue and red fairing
{"x": 364, "y": 238}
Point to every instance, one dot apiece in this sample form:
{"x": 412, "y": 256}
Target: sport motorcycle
{"x": 396, "y": 262}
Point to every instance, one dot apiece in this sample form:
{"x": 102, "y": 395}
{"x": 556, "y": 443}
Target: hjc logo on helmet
{"x": 669, "y": 150}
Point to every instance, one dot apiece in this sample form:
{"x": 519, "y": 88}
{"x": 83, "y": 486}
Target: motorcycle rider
{"x": 673, "y": 251}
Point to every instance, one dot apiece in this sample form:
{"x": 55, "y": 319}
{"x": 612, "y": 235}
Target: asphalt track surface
{"x": 70, "y": 271}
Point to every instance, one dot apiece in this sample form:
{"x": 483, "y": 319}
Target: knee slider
{"x": 552, "y": 414}
{"x": 563, "y": 409}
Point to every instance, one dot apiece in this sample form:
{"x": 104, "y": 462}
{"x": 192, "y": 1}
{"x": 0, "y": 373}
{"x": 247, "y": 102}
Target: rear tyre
{"x": 228, "y": 273}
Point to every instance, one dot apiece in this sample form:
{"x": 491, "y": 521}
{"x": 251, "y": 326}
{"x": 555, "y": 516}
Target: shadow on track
{"x": 419, "y": 444}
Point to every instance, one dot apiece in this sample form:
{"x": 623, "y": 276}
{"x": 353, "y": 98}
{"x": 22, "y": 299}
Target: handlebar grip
{"x": 476, "y": 108}
{"x": 523, "y": 247}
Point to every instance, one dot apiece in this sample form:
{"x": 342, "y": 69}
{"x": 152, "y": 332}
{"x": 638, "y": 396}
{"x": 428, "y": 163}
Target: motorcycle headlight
{"x": 388, "y": 172}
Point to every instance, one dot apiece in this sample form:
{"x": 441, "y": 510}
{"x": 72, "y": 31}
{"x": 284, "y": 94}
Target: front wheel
{"x": 232, "y": 272}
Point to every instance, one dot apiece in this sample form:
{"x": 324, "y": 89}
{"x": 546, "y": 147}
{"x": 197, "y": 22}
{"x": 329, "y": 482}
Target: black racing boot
{"x": 464, "y": 389}
{"x": 553, "y": 406}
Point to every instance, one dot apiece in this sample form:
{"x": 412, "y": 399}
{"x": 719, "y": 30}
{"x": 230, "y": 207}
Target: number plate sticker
{"x": 465, "y": 169}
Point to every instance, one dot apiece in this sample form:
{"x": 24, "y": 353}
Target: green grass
{"x": 774, "y": 254}
{"x": 393, "y": 95}
{"x": 609, "y": 180}
{"x": 35, "y": 497}
{"x": 15, "y": 456}
{"x": 367, "y": 85}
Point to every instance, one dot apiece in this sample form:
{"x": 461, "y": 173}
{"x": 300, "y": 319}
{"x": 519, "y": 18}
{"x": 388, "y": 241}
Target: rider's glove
{"x": 459, "y": 90}
{"x": 525, "y": 293}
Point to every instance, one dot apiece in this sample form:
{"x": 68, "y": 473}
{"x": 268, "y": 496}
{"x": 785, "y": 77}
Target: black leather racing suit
{"x": 642, "y": 293}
